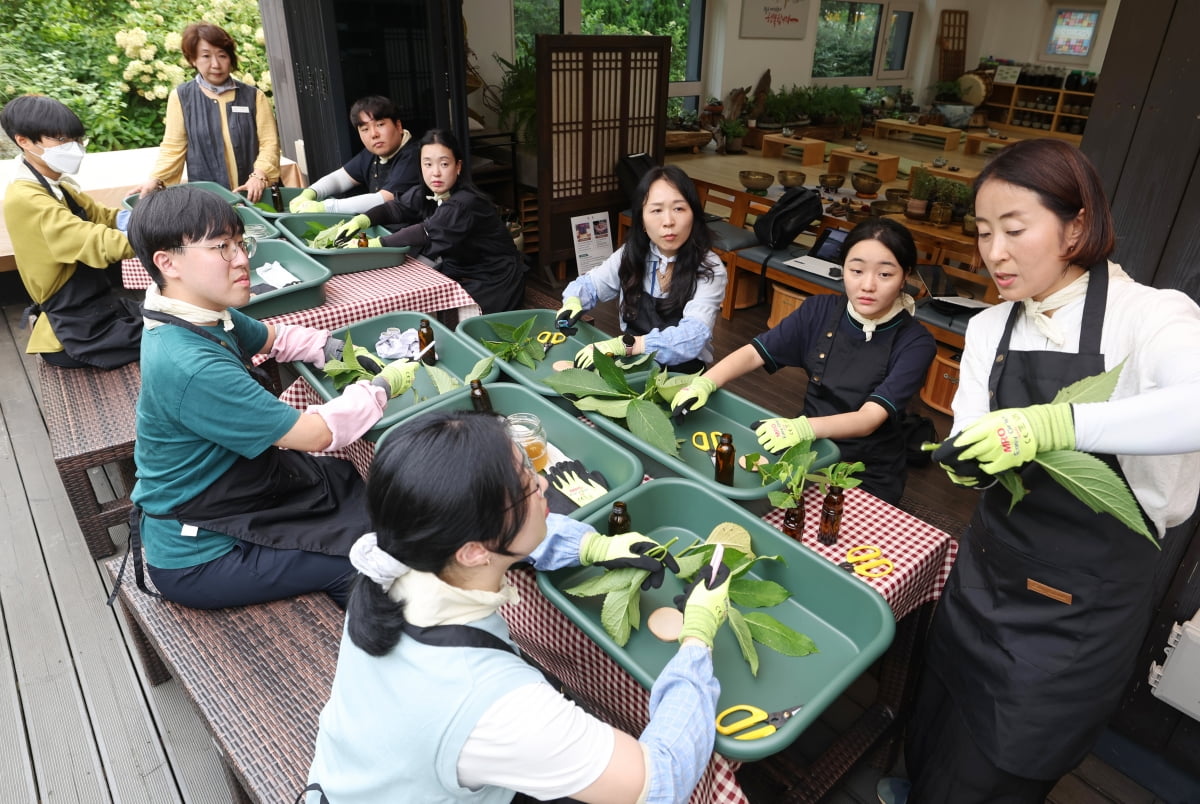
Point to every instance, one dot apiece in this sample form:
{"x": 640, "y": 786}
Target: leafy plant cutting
{"x": 359, "y": 363}
{"x": 516, "y": 344}
{"x": 607, "y": 391}
{"x": 621, "y": 611}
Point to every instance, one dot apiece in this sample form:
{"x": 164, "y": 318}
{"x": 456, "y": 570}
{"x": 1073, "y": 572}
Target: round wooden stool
{"x": 940, "y": 383}
{"x": 783, "y": 301}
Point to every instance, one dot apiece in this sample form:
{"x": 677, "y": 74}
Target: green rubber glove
{"x": 960, "y": 472}
{"x": 612, "y": 346}
{"x": 306, "y": 207}
{"x": 626, "y": 550}
{"x": 297, "y": 203}
{"x": 571, "y": 310}
{"x": 777, "y": 435}
{"x": 705, "y": 604}
{"x": 346, "y": 228}
{"x": 694, "y": 395}
{"x": 578, "y": 490}
{"x": 397, "y": 376}
{"x": 372, "y": 242}
{"x": 1006, "y": 439}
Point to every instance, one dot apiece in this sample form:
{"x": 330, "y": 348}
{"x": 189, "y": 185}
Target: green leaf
{"x": 690, "y": 564}
{"x": 608, "y": 371}
{"x": 777, "y": 636}
{"x": 1097, "y": 388}
{"x": 522, "y": 331}
{"x": 633, "y": 361}
{"x": 614, "y": 616}
{"x": 612, "y": 408}
{"x": 580, "y": 382}
{"x": 650, "y": 389}
{"x": 1096, "y": 485}
{"x": 534, "y": 351}
{"x": 650, "y": 423}
{"x": 741, "y": 632}
{"x": 1016, "y": 487}
{"x": 667, "y": 385}
{"x": 481, "y": 369}
{"x": 782, "y": 499}
{"x": 757, "y": 594}
{"x": 503, "y": 331}
{"x": 524, "y": 359}
{"x": 443, "y": 380}
{"x": 602, "y": 584}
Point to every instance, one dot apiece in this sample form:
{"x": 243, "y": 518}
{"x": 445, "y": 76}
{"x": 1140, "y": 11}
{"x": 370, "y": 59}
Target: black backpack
{"x": 791, "y": 215}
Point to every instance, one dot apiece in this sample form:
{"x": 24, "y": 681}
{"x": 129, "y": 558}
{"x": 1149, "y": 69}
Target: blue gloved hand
{"x": 1009, "y": 438}
{"x": 626, "y": 550}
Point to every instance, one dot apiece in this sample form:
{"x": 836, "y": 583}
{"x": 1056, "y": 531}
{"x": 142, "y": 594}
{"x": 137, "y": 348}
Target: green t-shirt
{"x": 198, "y": 411}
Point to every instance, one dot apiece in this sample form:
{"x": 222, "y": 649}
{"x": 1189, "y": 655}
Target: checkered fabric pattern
{"x": 922, "y": 554}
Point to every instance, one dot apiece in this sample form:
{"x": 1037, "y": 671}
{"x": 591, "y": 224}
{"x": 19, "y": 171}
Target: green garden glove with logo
{"x": 1009, "y": 438}
{"x": 612, "y": 346}
{"x": 575, "y": 483}
{"x": 777, "y": 435}
{"x": 693, "y": 395}
{"x": 626, "y": 550}
{"x": 705, "y": 604}
{"x": 397, "y": 376}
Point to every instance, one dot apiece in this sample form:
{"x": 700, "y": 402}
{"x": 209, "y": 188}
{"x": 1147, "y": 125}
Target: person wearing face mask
{"x": 222, "y": 130}
{"x": 669, "y": 281}
{"x": 865, "y": 355}
{"x": 447, "y": 219}
{"x": 63, "y": 240}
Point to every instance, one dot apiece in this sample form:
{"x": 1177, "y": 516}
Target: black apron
{"x": 284, "y": 499}
{"x": 94, "y": 325}
{"x": 859, "y": 368}
{"x": 647, "y": 315}
{"x": 1043, "y": 614}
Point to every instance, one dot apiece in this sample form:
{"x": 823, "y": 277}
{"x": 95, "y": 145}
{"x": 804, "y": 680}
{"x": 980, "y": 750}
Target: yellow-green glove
{"x": 705, "y": 604}
{"x": 960, "y": 472}
{"x": 612, "y": 346}
{"x": 1006, "y": 439}
{"x": 777, "y": 435}
{"x": 693, "y": 396}
{"x": 297, "y": 204}
{"x": 327, "y": 238}
{"x": 565, "y": 318}
{"x": 578, "y": 490}
{"x": 397, "y": 376}
{"x": 626, "y": 550}
{"x": 372, "y": 242}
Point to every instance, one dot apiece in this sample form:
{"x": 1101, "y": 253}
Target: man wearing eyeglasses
{"x": 229, "y": 505}
{"x": 63, "y": 240}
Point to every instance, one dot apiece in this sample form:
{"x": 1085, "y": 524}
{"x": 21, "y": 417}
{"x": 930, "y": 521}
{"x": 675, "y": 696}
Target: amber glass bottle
{"x": 831, "y": 516}
{"x": 726, "y": 459}
{"x": 480, "y": 400}
{"x": 424, "y": 338}
{"x": 618, "y": 519}
{"x": 277, "y": 199}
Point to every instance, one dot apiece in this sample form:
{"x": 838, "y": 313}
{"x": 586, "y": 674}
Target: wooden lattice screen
{"x": 600, "y": 98}
{"x": 952, "y": 45}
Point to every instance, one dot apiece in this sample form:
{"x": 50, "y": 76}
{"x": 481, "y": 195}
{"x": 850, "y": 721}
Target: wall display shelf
{"x": 1039, "y": 111}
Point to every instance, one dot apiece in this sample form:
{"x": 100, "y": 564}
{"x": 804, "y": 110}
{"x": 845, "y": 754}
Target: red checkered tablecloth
{"x": 354, "y": 297}
{"x": 922, "y": 555}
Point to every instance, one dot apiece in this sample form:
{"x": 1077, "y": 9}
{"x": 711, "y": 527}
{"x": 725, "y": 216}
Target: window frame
{"x": 879, "y": 76}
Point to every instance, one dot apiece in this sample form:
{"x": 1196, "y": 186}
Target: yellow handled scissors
{"x": 706, "y": 442}
{"x": 549, "y": 339}
{"x": 766, "y": 723}
{"x": 867, "y": 560}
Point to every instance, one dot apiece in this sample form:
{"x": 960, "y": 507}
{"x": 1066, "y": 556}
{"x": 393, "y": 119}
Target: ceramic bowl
{"x": 755, "y": 179}
{"x": 887, "y": 207}
{"x": 896, "y": 194}
{"x": 865, "y": 183}
{"x": 832, "y": 181}
{"x": 856, "y": 215}
{"x": 939, "y": 162}
{"x": 791, "y": 178}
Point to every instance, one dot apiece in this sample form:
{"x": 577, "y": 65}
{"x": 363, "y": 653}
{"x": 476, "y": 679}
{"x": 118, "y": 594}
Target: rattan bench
{"x": 258, "y": 676}
{"x": 90, "y": 415}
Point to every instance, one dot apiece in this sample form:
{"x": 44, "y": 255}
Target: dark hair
{"x": 1065, "y": 182}
{"x": 439, "y": 481}
{"x": 892, "y": 234}
{"x": 439, "y": 136}
{"x": 215, "y": 35}
{"x": 176, "y": 216}
{"x": 37, "y": 116}
{"x": 377, "y": 107}
{"x": 691, "y": 260}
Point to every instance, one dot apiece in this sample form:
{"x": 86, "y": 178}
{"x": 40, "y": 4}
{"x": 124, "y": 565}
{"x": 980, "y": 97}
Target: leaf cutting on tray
{"x": 621, "y": 611}
{"x": 651, "y": 423}
{"x": 612, "y": 408}
{"x": 442, "y": 380}
{"x": 481, "y": 369}
{"x": 580, "y": 383}
{"x": 754, "y": 594}
{"x": 777, "y": 636}
{"x": 607, "y": 370}
{"x": 741, "y": 632}
{"x": 344, "y": 373}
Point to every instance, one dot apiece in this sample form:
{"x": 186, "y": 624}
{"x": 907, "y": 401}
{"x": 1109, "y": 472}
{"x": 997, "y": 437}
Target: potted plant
{"x": 958, "y": 196}
{"x": 833, "y": 481}
{"x": 776, "y": 109}
{"x": 923, "y": 183}
{"x": 714, "y": 105}
{"x": 516, "y": 103}
{"x": 734, "y": 130}
{"x": 792, "y": 471}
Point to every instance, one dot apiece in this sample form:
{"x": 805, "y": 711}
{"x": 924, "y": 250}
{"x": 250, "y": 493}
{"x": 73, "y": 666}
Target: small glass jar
{"x": 526, "y": 429}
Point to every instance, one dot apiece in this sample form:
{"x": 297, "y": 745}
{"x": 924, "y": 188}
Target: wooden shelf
{"x": 1039, "y": 111}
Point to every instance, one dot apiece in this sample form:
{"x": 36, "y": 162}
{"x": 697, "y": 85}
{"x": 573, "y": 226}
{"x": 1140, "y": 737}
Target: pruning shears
{"x": 549, "y": 339}
{"x": 707, "y": 442}
{"x": 766, "y": 723}
{"x": 868, "y": 561}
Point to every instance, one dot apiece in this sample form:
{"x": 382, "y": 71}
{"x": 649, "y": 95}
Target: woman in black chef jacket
{"x": 450, "y": 221}
{"x": 1037, "y": 632}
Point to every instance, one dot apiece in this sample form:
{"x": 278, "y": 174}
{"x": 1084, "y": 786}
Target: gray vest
{"x": 206, "y": 149}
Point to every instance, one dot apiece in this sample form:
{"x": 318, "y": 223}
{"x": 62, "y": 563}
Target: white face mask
{"x": 65, "y": 158}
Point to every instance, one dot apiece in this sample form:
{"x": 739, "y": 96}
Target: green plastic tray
{"x": 131, "y": 200}
{"x": 453, "y": 356}
{"x": 339, "y": 260}
{"x": 576, "y": 440}
{"x": 264, "y": 206}
{"x": 309, "y": 293}
{"x": 250, "y": 217}
{"x": 725, "y": 412}
{"x": 850, "y": 622}
{"x": 477, "y": 329}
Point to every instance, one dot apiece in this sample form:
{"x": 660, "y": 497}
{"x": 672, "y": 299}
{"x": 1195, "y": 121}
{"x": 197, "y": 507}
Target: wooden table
{"x": 886, "y": 165}
{"x": 975, "y": 140}
{"x": 961, "y": 174}
{"x": 949, "y": 136}
{"x": 773, "y": 145}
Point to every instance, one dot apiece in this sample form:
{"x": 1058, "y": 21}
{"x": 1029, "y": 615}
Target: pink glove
{"x": 294, "y": 342}
{"x": 353, "y": 413}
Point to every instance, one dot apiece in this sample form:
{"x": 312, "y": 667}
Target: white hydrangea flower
{"x": 173, "y": 42}
{"x": 112, "y": 58}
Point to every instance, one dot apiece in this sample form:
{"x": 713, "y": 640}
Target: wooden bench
{"x": 90, "y": 415}
{"x": 813, "y": 151}
{"x": 949, "y": 137}
{"x": 257, "y": 675}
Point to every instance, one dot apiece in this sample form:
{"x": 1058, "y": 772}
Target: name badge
{"x": 191, "y": 531}
{"x": 241, "y": 109}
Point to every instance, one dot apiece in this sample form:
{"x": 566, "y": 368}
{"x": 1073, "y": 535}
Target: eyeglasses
{"x": 528, "y": 466}
{"x": 228, "y": 249}
{"x": 64, "y": 140}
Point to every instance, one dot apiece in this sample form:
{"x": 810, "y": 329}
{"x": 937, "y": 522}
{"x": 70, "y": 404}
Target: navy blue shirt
{"x": 399, "y": 174}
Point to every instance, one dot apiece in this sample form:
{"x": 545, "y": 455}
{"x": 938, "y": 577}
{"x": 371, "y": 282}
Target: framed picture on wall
{"x": 1070, "y": 33}
{"x": 774, "y": 19}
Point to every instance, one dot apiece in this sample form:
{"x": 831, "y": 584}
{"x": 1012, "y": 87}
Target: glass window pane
{"x": 847, "y": 33}
{"x": 533, "y": 17}
{"x": 682, "y": 21}
{"x": 899, "y": 31}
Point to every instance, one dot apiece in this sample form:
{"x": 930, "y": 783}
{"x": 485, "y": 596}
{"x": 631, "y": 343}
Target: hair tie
{"x": 379, "y": 565}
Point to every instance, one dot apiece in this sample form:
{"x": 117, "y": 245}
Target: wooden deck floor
{"x": 78, "y": 723}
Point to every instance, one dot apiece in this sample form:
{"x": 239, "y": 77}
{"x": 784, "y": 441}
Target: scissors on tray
{"x": 707, "y": 442}
{"x": 757, "y": 722}
{"x": 549, "y": 340}
{"x": 868, "y": 561}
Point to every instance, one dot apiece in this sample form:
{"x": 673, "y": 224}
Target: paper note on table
{"x": 275, "y": 274}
